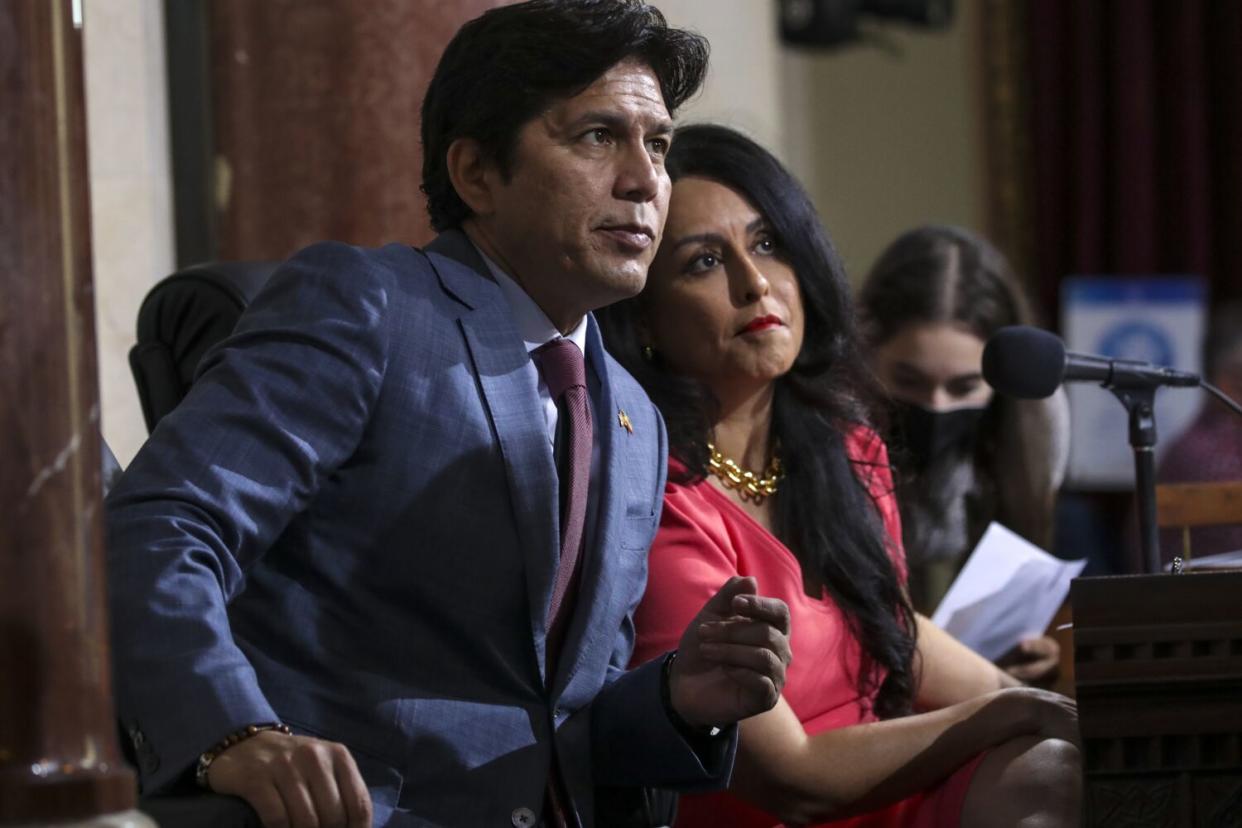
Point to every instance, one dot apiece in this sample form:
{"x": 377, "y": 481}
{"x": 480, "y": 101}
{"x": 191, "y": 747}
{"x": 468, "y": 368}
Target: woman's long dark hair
{"x": 824, "y": 512}
{"x": 945, "y": 274}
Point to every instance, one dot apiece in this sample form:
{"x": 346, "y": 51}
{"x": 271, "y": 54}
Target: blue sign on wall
{"x": 1153, "y": 319}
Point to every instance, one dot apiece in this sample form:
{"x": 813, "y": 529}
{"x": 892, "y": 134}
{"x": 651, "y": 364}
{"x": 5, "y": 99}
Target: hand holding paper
{"x": 1009, "y": 590}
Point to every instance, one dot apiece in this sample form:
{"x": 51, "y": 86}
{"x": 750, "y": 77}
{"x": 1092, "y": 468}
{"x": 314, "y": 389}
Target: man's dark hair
{"x": 506, "y": 66}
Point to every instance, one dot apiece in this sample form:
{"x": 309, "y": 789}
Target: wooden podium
{"x": 1158, "y": 674}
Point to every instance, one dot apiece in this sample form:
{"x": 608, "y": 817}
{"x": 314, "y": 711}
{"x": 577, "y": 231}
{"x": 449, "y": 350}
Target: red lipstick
{"x": 762, "y": 323}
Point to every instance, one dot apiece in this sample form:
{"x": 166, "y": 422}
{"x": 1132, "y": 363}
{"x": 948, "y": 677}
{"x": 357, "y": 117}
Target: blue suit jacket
{"x": 350, "y": 525}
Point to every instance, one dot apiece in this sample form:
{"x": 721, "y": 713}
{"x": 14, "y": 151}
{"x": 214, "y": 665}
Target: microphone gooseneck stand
{"x": 1140, "y": 405}
{"x": 1029, "y": 363}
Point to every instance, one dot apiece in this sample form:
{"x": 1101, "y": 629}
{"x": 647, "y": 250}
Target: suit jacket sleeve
{"x": 634, "y": 743}
{"x": 276, "y": 407}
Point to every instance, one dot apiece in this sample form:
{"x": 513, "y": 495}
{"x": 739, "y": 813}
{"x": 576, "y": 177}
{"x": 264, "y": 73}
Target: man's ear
{"x": 472, "y": 175}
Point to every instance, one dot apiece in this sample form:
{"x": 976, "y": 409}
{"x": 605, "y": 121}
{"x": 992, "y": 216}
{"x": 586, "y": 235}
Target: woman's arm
{"x": 850, "y": 770}
{"x": 950, "y": 672}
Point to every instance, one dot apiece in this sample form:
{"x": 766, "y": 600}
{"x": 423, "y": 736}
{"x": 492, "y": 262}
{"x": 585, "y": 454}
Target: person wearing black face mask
{"x": 965, "y": 457}
{"x": 929, "y": 433}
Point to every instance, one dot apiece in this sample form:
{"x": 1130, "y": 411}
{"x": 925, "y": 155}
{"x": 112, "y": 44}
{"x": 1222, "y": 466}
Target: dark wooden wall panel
{"x": 58, "y": 756}
{"x": 316, "y": 112}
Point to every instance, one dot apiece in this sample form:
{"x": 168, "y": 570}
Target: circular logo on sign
{"x": 1136, "y": 340}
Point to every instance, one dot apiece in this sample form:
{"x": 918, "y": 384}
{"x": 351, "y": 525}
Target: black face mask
{"x": 927, "y": 434}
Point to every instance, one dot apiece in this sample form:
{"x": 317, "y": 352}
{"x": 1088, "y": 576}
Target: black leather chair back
{"x": 183, "y": 316}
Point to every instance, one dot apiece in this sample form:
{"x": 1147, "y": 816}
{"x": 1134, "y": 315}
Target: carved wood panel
{"x": 1158, "y": 662}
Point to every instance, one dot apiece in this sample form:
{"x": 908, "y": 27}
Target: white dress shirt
{"x": 536, "y": 331}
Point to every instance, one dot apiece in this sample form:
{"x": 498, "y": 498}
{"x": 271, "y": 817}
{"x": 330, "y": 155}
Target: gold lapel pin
{"x": 624, "y": 420}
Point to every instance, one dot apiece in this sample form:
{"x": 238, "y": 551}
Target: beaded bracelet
{"x": 205, "y": 760}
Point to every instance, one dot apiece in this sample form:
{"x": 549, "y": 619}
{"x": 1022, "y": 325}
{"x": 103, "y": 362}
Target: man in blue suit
{"x": 379, "y": 566}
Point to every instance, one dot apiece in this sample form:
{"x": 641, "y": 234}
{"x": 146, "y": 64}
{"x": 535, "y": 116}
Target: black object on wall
{"x": 836, "y": 22}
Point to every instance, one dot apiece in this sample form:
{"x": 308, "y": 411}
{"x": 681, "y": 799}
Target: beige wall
{"x": 743, "y": 87}
{"x": 883, "y": 137}
{"x": 131, "y": 191}
{"x": 887, "y": 140}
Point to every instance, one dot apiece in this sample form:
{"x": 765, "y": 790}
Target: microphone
{"x": 1029, "y": 363}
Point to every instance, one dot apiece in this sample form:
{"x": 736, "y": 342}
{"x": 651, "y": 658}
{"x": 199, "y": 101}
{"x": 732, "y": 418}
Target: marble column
{"x": 58, "y": 754}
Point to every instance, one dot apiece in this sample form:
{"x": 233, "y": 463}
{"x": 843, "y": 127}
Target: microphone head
{"x": 1024, "y": 362}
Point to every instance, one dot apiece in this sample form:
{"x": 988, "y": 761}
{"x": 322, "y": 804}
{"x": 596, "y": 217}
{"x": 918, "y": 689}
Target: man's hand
{"x": 294, "y": 781}
{"x": 732, "y": 658}
{"x": 1034, "y": 661}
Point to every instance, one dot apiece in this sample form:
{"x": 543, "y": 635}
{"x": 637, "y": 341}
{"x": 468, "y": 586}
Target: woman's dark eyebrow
{"x": 716, "y": 238}
{"x": 910, "y": 368}
{"x": 697, "y": 238}
{"x": 902, "y": 365}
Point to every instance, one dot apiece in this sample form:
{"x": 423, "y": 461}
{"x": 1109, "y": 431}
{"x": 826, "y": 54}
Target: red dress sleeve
{"x": 870, "y": 458}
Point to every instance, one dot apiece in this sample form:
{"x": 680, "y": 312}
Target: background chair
{"x": 1188, "y": 506}
{"x": 183, "y": 316}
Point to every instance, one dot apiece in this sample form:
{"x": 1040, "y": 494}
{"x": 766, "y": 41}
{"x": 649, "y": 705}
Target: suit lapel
{"x": 511, "y": 396}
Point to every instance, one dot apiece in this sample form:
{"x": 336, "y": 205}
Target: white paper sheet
{"x": 1009, "y": 590}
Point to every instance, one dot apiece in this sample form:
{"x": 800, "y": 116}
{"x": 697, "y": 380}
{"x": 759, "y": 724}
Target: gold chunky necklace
{"x": 747, "y": 484}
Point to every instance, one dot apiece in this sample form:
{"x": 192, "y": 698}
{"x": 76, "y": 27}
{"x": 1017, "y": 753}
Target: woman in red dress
{"x": 744, "y": 336}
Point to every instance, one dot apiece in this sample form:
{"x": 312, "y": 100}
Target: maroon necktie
{"x": 564, "y": 370}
